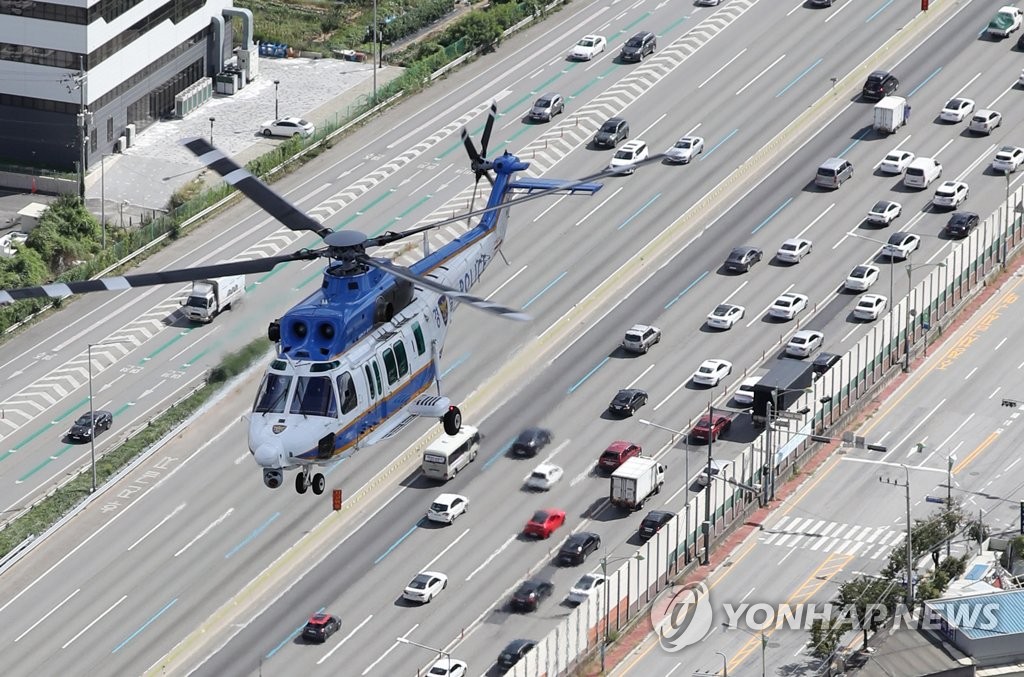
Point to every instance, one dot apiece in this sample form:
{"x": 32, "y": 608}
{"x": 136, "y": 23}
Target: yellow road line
{"x": 977, "y": 450}
{"x": 825, "y": 572}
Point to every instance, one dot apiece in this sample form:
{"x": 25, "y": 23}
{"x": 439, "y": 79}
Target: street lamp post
{"x": 909, "y": 544}
{"x": 439, "y": 652}
{"x": 211, "y": 129}
{"x": 686, "y": 472}
{"x": 605, "y": 561}
{"x": 277, "y": 116}
{"x": 103, "y": 199}
{"x": 725, "y": 664}
{"x": 906, "y": 330}
{"x": 950, "y": 460}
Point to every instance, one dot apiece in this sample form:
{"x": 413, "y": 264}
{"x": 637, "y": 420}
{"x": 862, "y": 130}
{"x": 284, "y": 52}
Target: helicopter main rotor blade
{"x": 438, "y": 288}
{"x": 62, "y": 289}
{"x": 388, "y": 238}
{"x": 488, "y": 126}
{"x": 474, "y": 156}
{"x": 257, "y": 191}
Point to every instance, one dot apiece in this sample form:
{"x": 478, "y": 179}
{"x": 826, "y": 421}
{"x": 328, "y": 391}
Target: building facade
{"x": 122, "y": 60}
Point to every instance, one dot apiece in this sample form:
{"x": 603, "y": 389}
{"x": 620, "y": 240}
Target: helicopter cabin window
{"x": 273, "y": 394}
{"x": 390, "y": 367}
{"x": 403, "y": 361}
{"x": 314, "y": 396}
{"x": 417, "y": 334}
{"x": 347, "y": 392}
{"x": 369, "y": 382}
{"x": 376, "y": 377}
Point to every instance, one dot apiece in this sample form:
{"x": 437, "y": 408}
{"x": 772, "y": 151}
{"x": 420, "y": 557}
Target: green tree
{"x": 871, "y": 601}
{"x": 825, "y": 636}
{"x": 25, "y": 268}
{"x": 481, "y": 29}
{"x": 66, "y": 232}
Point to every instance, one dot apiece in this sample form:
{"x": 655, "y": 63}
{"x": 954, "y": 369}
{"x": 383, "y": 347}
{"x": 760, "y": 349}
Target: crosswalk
{"x": 811, "y": 533}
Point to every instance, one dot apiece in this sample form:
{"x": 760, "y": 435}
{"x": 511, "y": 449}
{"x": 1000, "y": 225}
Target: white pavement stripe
{"x": 426, "y": 567}
{"x": 345, "y": 638}
{"x": 390, "y": 649}
{"x": 94, "y": 622}
{"x": 158, "y": 525}
{"x": 207, "y": 529}
{"x": 491, "y": 557}
{"x": 48, "y": 614}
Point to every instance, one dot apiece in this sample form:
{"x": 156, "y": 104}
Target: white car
{"x": 448, "y": 667}
{"x": 447, "y": 507}
{"x": 1008, "y": 159}
{"x": 287, "y": 127}
{"x": 588, "y": 585}
{"x": 544, "y": 476}
{"x": 711, "y": 372}
{"x": 588, "y": 47}
{"x": 804, "y": 342}
{"x": 951, "y": 194}
{"x": 901, "y": 245}
{"x": 725, "y": 315}
{"x": 628, "y": 155}
{"x": 870, "y": 307}
{"x": 896, "y": 161}
{"x": 425, "y": 586}
{"x": 884, "y": 212}
{"x": 956, "y": 110}
{"x": 985, "y": 121}
{"x": 862, "y": 277}
{"x": 794, "y": 250}
{"x": 745, "y": 393}
{"x": 788, "y": 305}
{"x": 685, "y": 149}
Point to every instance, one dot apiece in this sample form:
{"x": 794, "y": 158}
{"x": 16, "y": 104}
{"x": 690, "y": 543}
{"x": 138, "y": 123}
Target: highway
{"x": 123, "y": 609}
{"x": 843, "y": 522}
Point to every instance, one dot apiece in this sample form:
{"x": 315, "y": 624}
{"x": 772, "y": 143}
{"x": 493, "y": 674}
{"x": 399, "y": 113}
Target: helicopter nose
{"x": 269, "y": 456}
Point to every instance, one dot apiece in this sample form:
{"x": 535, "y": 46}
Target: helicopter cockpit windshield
{"x": 314, "y": 396}
{"x": 273, "y": 394}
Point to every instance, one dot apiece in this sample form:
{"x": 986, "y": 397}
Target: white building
{"x": 136, "y": 55}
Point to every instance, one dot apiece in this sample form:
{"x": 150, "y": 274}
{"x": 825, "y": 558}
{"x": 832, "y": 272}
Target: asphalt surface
{"x": 238, "y": 528}
{"x": 844, "y": 522}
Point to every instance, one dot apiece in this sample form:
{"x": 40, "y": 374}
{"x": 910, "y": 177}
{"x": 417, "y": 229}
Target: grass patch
{"x": 63, "y": 500}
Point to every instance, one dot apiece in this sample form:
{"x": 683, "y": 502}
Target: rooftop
{"x": 986, "y": 615}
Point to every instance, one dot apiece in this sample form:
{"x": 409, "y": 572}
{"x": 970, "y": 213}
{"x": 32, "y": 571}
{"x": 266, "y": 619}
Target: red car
{"x": 704, "y": 428}
{"x": 544, "y": 522}
{"x": 616, "y": 454}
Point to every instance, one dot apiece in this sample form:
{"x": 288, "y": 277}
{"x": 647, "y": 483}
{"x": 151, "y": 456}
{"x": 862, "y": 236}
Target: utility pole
{"x": 909, "y": 544}
{"x": 373, "y": 56}
{"x": 79, "y": 82}
{"x": 949, "y": 495}
{"x": 707, "y": 489}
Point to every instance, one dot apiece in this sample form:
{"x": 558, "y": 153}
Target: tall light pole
{"x": 950, "y": 460}
{"x": 906, "y": 330}
{"x": 92, "y": 411}
{"x": 103, "y": 198}
{"x": 725, "y": 664}
{"x": 686, "y": 471}
{"x": 909, "y": 544}
{"x": 439, "y": 652}
{"x": 373, "y": 56}
{"x": 605, "y": 561}
{"x": 277, "y": 116}
{"x": 1006, "y": 224}
{"x": 211, "y": 129}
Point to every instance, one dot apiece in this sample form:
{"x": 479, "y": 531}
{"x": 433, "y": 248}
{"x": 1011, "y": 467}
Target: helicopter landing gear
{"x": 452, "y": 420}
{"x": 303, "y": 481}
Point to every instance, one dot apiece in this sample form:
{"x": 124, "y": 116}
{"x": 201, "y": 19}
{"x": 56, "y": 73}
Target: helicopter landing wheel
{"x": 452, "y": 420}
{"x": 302, "y": 481}
{"x": 319, "y": 482}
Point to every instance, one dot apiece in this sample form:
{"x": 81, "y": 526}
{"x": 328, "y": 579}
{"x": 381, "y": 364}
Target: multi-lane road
{"x": 843, "y": 522}
{"x": 177, "y": 550}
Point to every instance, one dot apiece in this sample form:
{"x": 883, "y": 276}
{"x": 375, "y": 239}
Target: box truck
{"x": 209, "y": 297}
{"x": 783, "y": 385}
{"x": 635, "y": 481}
{"x": 890, "y": 114}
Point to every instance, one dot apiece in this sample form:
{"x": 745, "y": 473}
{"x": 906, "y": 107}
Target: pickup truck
{"x": 1006, "y": 21}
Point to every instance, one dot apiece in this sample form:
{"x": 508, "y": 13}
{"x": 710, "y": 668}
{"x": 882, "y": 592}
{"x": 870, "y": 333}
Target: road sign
{"x": 792, "y": 416}
{"x": 939, "y": 499}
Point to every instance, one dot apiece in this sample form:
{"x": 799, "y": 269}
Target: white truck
{"x": 1006, "y": 21}
{"x": 209, "y": 297}
{"x": 890, "y": 114}
{"x": 635, "y": 481}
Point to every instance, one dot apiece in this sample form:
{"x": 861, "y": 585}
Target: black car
{"x": 879, "y": 85}
{"x": 320, "y": 627}
{"x": 531, "y": 441}
{"x": 741, "y": 259}
{"x": 824, "y": 361}
{"x": 515, "y": 650}
{"x": 639, "y": 46}
{"x": 627, "y": 401}
{"x": 653, "y": 523}
{"x": 89, "y": 424}
{"x": 961, "y": 224}
{"x": 612, "y": 131}
{"x": 578, "y": 548}
{"x": 530, "y": 594}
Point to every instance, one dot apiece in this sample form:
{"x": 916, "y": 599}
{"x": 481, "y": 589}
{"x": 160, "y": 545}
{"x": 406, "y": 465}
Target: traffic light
{"x": 336, "y": 497}
{"x": 924, "y": 5}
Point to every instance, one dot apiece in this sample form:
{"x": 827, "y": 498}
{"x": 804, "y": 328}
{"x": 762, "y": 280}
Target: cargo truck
{"x": 783, "y": 385}
{"x": 208, "y": 298}
{"x": 635, "y": 481}
{"x": 890, "y": 114}
{"x": 1006, "y": 21}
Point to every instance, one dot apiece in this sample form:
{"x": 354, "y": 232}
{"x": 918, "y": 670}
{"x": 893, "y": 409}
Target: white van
{"x": 449, "y": 454}
{"x": 921, "y": 172}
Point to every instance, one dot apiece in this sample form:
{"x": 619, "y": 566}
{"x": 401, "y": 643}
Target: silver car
{"x": 547, "y": 107}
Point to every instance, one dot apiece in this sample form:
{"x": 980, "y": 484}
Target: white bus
{"x": 449, "y": 454}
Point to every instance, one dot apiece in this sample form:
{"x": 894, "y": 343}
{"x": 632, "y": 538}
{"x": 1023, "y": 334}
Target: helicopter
{"x": 356, "y": 358}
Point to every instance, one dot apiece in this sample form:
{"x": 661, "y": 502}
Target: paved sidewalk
{"x": 148, "y": 173}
